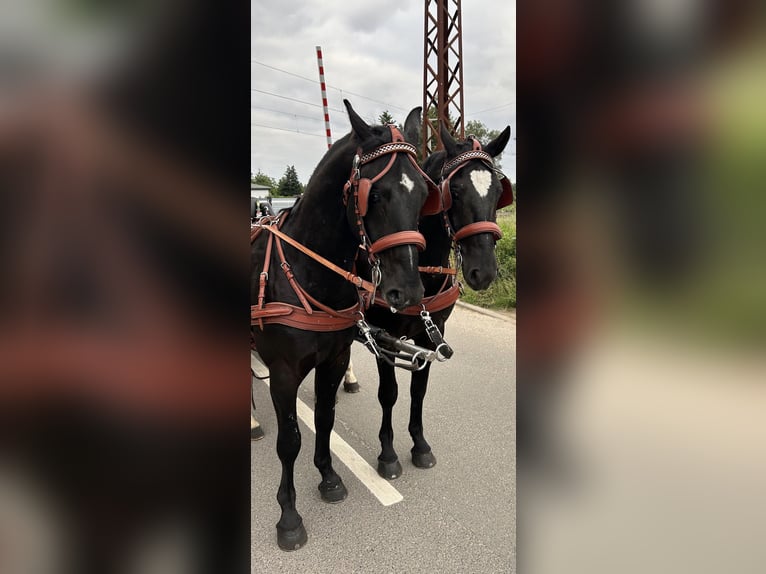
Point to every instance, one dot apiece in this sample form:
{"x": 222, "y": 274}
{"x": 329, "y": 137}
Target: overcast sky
{"x": 373, "y": 56}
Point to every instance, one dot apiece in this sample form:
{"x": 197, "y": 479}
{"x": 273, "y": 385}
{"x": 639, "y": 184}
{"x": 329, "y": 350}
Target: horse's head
{"x": 390, "y": 194}
{"x": 472, "y": 191}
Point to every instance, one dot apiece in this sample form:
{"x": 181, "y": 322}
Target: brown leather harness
{"x": 313, "y": 315}
{"x": 449, "y": 292}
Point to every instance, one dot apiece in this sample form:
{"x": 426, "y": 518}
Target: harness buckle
{"x": 458, "y": 259}
{"x": 443, "y": 350}
{"x": 366, "y": 333}
{"x": 376, "y": 274}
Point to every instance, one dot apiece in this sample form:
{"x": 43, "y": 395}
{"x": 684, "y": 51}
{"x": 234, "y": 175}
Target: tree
{"x": 386, "y": 118}
{"x": 262, "y": 179}
{"x": 289, "y": 185}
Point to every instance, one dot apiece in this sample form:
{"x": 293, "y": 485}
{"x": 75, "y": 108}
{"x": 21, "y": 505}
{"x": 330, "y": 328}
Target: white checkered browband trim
{"x": 388, "y": 148}
{"x": 467, "y": 156}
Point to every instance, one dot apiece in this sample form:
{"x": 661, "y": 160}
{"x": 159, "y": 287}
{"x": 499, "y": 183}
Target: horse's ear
{"x": 450, "y": 145}
{"x": 497, "y": 145}
{"x": 412, "y": 126}
{"x": 358, "y": 125}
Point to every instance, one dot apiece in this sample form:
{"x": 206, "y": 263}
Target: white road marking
{"x": 407, "y": 183}
{"x": 481, "y": 180}
{"x": 369, "y": 477}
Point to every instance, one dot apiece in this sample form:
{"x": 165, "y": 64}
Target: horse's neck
{"x": 437, "y": 251}
{"x": 319, "y": 220}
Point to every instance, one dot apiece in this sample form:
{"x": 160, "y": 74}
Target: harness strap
{"x": 291, "y": 277}
{"x": 477, "y": 228}
{"x": 264, "y": 277}
{"x": 296, "y": 317}
{"x": 347, "y": 275}
{"x": 399, "y": 238}
{"x": 433, "y": 303}
{"x": 438, "y": 270}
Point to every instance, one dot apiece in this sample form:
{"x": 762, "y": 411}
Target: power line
{"x": 285, "y": 113}
{"x": 341, "y": 90}
{"x": 286, "y": 130}
{"x": 492, "y": 109}
{"x": 293, "y": 99}
{"x": 285, "y": 72}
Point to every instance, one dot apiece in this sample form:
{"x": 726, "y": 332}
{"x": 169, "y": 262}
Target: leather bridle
{"x": 449, "y": 292}
{"x": 454, "y": 166}
{"x": 357, "y": 189}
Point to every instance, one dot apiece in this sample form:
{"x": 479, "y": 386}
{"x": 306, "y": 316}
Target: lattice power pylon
{"x": 442, "y": 71}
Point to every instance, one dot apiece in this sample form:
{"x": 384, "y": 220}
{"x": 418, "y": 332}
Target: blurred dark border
{"x": 123, "y": 202}
{"x": 639, "y": 140}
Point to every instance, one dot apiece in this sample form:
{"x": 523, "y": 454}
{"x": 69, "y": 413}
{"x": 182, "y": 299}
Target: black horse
{"x": 471, "y": 193}
{"x": 305, "y": 311}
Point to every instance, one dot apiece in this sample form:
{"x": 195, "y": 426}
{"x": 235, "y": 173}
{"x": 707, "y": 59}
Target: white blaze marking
{"x": 481, "y": 180}
{"x": 407, "y": 183}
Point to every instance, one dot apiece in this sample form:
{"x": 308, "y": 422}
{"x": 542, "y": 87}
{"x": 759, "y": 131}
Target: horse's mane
{"x": 434, "y": 160}
{"x": 345, "y": 145}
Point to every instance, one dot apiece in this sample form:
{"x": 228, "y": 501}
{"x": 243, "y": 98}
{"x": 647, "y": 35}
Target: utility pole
{"x": 442, "y": 72}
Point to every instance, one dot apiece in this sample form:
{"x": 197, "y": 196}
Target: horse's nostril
{"x": 394, "y": 297}
{"x": 479, "y": 279}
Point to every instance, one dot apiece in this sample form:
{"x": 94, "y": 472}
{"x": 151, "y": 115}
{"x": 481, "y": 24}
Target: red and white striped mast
{"x": 324, "y": 97}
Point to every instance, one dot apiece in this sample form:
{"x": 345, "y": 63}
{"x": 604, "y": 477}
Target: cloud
{"x": 373, "y": 57}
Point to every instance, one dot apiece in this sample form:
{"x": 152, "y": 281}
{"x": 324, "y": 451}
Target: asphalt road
{"x": 457, "y": 517}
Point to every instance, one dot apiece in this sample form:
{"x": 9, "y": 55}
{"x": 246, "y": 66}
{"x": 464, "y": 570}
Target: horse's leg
{"x": 291, "y": 533}
{"x": 422, "y": 457}
{"x": 350, "y": 382}
{"x": 388, "y": 462}
{"x": 256, "y": 432}
{"x": 326, "y": 382}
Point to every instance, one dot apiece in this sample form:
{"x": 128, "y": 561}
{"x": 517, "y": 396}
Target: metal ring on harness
{"x": 443, "y": 352}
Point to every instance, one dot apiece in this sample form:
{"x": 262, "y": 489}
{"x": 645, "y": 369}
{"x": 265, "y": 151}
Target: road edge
{"x": 483, "y": 311}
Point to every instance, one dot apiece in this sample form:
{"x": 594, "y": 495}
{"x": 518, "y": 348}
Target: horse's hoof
{"x": 351, "y": 387}
{"x": 289, "y": 540}
{"x": 256, "y": 433}
{"x": 423, "y": 459}
{"x": 333, "y": 493}
{"x": 389, "y": 470}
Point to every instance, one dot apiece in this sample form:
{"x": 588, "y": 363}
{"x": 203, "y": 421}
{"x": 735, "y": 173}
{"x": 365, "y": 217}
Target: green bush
{"x": 502, "y": 293}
